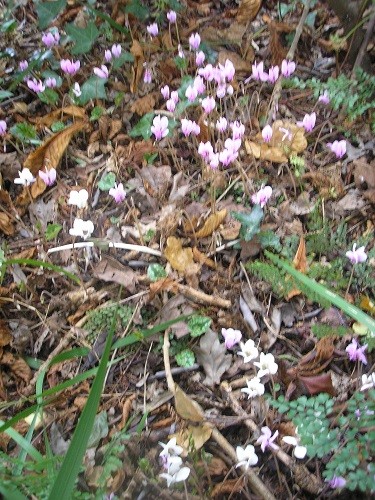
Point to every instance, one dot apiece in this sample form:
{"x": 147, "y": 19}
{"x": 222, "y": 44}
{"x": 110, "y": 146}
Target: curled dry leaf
{"x": 213, "y": 357}
{"x": 300, "y": 263}
{"x": 248, "y": 10}
{"x": 241, "y": 65}
{"x": 199, "y": 434}
{"x": 287, "y": 138}
{"x": 211, "y": 224}
{"x": 17, "y": 366}
{"x": 187, "y": 408}
{"x": 137, "y": 69}
{"x": 179, "y": 258}
{"x": 60, "y": 115}
{"x": 144, "y": 104}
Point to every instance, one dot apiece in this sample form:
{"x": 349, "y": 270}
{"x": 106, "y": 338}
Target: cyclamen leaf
{"x": 212, "y": 356}
{"x": 47, "y": 11}
{"x": 250, "y": 223}
{"x": 83, "y": 38}
{"x": 93, "y": 88}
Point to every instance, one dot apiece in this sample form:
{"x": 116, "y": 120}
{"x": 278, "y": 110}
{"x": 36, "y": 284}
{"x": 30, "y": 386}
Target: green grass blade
{"x": 66, "y": 478}
{"x": 40, "y": 263}
{"x": 11, "y": 493}
{"x": 332, "y": 297}
{"x": 23, "y": 443}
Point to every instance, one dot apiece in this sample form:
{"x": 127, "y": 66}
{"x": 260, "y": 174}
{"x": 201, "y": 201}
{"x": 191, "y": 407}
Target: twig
{"x": 290, "y": 55}
{"x": 203, "y": 298}
{"x": 366, "y": 40}
{"x": 110, "y": 244}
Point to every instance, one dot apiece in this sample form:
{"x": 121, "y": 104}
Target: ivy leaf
{"x": 49, "y": 96}
{"x": 52, "y": 231}
{"x": 93, "y": 88}
{"x": 47, "y": 11}
{"x": 4, "y": 94}
{"x": 25, "y": 133}
{"x": 107, "y": 181}
{"x": 198, "y": 325}
{"x": 268, "y": 239}
{"x": 137, "y": 9}
{"x": 143, "y": 127}
{"x": 156, "y": 272}
{"x": 83, "y": 38}
{"x": 250, "y": 223}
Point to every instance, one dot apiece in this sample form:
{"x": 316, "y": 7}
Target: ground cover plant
{"x": 187, "y": 253}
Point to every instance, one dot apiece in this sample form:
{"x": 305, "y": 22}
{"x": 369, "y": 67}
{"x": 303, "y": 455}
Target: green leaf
{"x": 57, "y": 126}
{"x": 83, "y": 38}
{"x": 137, "y": 9}
{"x": 326, "y": 294}
{"x": 96, "y": 113}
{"x": 269, "y": 239}
{"x": 93, "y": 88}
{"x": 25, "y": 133}
{"x": 52, "y": 231}
{"x": 185, "y": 358}
{"x": 198, "y": 325}
{"x": 107, "y": 181}
{"x": 250, "y": 223}
{"x": 156, "y": 272}
{"x": 143, "y": 127}
{"x": 49, "y": 96}
{"x": 125, "y": 57}
{"x": 5, "y": 94}
{"x": 47, "y": 11}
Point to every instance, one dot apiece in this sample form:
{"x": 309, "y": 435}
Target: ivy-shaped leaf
{"x": 250, "y": 223}
{"x": 83, "y": 38}
{"x": 93, "y": 88}
{"x": 47, "y": 11}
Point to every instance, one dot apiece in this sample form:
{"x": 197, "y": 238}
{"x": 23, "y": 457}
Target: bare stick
{"x": 366, "y": 40}
{"x": 203, "y": 298}
{"x": 290, "y": 55}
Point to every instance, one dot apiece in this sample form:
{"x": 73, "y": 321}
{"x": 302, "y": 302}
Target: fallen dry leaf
{"x": 144, "y": 104}
{"x": 299, "y": 263}
{"x": 211, "y": 224}
{"x": 137, "y": 69}
{"x": 6, "y": 224}
{"x": 199, "y": 434}
{"x": 17, "y": 366}
{"x": 248, "y": 10}
{"x": 187, "y": 408}
{"x": 179, "y": 258}
{"x": 241, "y": 65}
{"x": 111, "y": 270}
{"x": 213, "y": 357}
{"x": 5, "y": 335}
{"x": 60, "y": 115}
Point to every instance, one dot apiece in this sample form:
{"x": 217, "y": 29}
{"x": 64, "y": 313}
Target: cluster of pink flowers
{"x": 69, "y": 66}
{"x": 258, "y": 73}
{"x": 3, "y": 128}
{"x": 51, "y": 38}
{"x": 114, "y": 52}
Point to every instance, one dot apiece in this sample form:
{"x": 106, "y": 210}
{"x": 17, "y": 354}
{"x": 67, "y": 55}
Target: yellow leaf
{"x": 211, "y": 224}
{"x": 187, "y": 408}
{"x": 179, "y": 258}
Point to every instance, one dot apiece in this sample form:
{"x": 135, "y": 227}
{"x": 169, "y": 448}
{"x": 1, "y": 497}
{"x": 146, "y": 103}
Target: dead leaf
{"x": 241, "y": 65}
{"x": 109, "y": 269}
{"x": 5, "y": 335}
{"x": 211, "y": 224}
{"x": 199, "y": 434}
{"x": 179, "y": 258}
{"x": 213, "y": 357}
{"x": 327, "y": 180}
{"x": 352, "y": 201}
{"x": 17, "y": 366}
{"x": 187, "y": 408}
{"x": 59, "y": 115}
{"x": 6, "y": 224}
{"x": 300, "y": 264}
{"x": 231, "y": 229}
{"x": 144, "y": 104}
{"x": 156, "y": 180}
{"x": 137, "y": 69}
{"x": 248, "y": 10}
{"x": 228, "y": 487}
{"x": 319, "y": 383}
{"x": 201, "y": 258}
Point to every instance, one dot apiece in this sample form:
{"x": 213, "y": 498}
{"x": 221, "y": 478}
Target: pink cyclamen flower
{"x": 107, "y": 55}
{"x": 266, "y": 440}
{"x": 35, "y": 85}
{"x": 356, "y": 352}
{"x": 171, "y": 16}
{"x": 76, "y": 90}
{"x": 70, "y": 67}
{"x": 48, "y": 177}
{"x": 191, "y": 93}
{"x": 213, "y": 160}
{"x": 227, "y": 156}
{"x": 267, "y": 133}
{"x": 199, "y": 84}
{"x": 199, "y": 58}
{"x": 356, "y": 255}
{"x": 221, "y": 124}
{"x": 160, "y": 127}
{"x": 238, "y": 130}
{"x": 116, "y": 50}
{"x": 78, "y": 198}
{"x": 170, "y": 105}
{"x": 227, "y": 71}
{"x": 287, "y": 68}
{"x": 205, "y": 149}
{"x": 118, "y": 192}
{"x": 102, "y": 72}
{"x": 207, "y": 72}
{"x": 231, "y": 336}
{"x": 337, "y": 482}
{"x": 50, "y": 83}
{"x": 221, "y": 90}
{"x": 186, "y": 127}
{"x": 3, "y": 127}
{"x": 25, "y": 177}
{"x": 165, "y": 92}
{"x": 51, "y": 38}
{"x": 194, "y": 41}
{"x": 337, "y": 147}
{"x": 174, "y": 96}
{"x": 208, "y": 104}
{"x": 262, "y": 196}
{"x": 23, "y": 65}
{"x": 233, "y": 144}
{"x": 153, "y": 29}
{"x": 324, "y": 98}
{"x": 180, "y": 52}
{"x": 273, "y": 74}
{"x": 147, "y": 76}
{"x": 308, "y": 122}
{"x": 257, "y": 70}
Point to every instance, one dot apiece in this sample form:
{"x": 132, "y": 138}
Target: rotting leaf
{"x": 319, "y": 383}
{"x": 248, "y": 10}
{"x": 60, "y": 115}
{"x": 111, "y": 270}
{"x": 198, "y": 434}
{"x": 300, "y": 263}
{"x": 211, "y": 224}
{"x": 144, "y": 104}
{"x": 179, "y": 258}
{"x": 187, "y": 408}
{"x": 213, "y": 357}
{"x": 17, "y": 365}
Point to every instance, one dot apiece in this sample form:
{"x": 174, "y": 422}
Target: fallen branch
{"x": 110, "y": 244}
{"x": 203, "y": 298}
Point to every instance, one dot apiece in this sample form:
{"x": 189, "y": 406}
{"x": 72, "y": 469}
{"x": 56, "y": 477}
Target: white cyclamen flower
{"x": 254, "y": 388}
{"x": 25, "y": 177}
{"x": 299, "y": 451}
{"x": 248, "y": 351}
{"x": 368, "y": 381}
{"x": 170, "y": 448}
{"x": 266, "y": 365}
{"x": 82, "y": 228}
{"x": 78, "y": 198}
{"x": 175, "y": 473}
{"x": 246, "y": 456}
